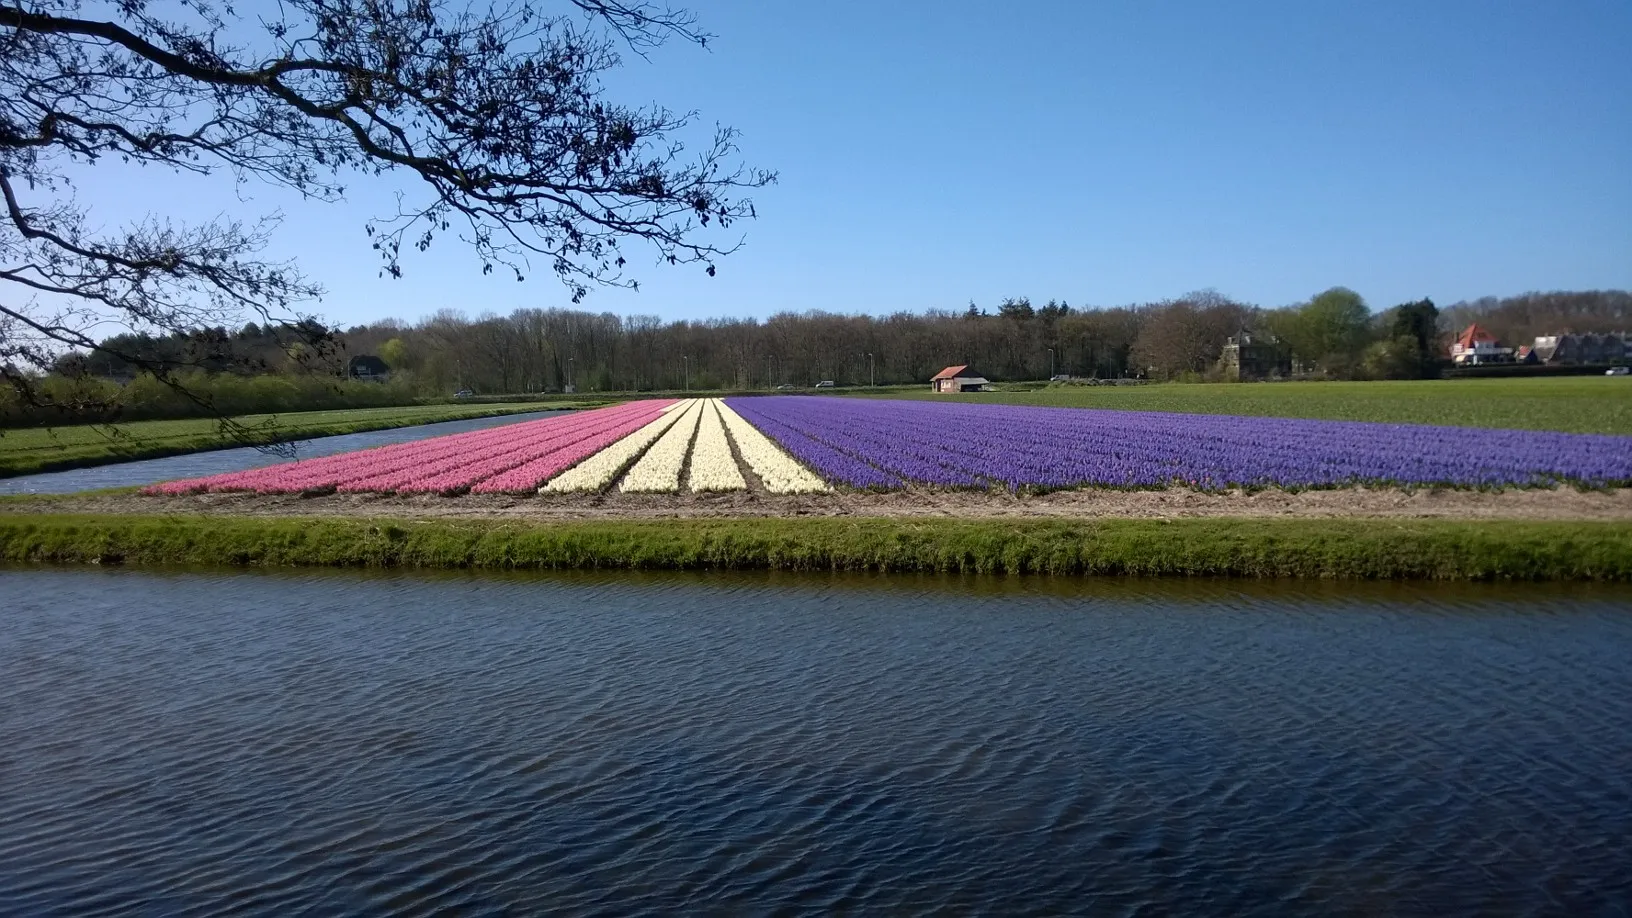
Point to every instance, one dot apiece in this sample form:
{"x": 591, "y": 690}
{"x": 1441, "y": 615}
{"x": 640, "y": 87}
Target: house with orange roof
{"x": 1476, "y": 347}
{"x": 961, "y": 378}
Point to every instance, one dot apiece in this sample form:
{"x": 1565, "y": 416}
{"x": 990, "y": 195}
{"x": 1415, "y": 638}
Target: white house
{"x": 962, "y": 378}
{"x": 1477, "y": 346}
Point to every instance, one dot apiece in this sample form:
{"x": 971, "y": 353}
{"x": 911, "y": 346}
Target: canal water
{"x": 344, "y": 743}
{"x": 221, "y": 461}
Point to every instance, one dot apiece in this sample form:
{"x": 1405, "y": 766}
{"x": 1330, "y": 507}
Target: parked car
{"x": 825, "y": 384}
{"x": 785, "y": 387}
{"x": 1063, "y": 377}
{"x": 463, "y": 393}
{"x": 1618, "y": 371}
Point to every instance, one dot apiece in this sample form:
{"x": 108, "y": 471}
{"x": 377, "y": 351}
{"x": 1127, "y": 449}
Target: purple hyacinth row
{"x": 876, "y": 443}
{"x": 821, "y": 458}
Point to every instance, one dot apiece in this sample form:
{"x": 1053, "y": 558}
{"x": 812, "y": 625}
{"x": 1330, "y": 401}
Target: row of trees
{"x": 1333, "y": 335}
{"x": 1520, "y": 319}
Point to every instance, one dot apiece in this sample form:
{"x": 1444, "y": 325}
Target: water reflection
{"x": 660, "y": 743}
{"x": 221, "y": 461}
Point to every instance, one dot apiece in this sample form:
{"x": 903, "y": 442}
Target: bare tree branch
{"x": 495, "y": 108}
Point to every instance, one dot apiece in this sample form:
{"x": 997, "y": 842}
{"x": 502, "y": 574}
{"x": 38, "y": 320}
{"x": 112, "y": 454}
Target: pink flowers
{"x": 518, "y": 457}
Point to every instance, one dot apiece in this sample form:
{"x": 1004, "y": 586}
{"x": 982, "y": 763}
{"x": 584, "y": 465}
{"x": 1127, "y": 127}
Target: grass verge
{"x": 26, "y": 451}
{"x": 1576, "y": 404}
{"x": 1364, "y": 549}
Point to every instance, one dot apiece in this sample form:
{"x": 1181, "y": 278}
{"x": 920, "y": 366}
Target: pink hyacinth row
{"x": 528, "y": 476}
{"x": 497, "y": 459}
{"x": 466, "y": 467}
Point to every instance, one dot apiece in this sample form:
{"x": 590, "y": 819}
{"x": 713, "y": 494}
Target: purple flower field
{"x": 866, "y": 443}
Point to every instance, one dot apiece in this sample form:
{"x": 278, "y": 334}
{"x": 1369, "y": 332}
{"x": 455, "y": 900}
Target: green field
{"x": 41, "y": 449}
{"x": 1257, "y": 547}
{"x": 1577, "y": 404}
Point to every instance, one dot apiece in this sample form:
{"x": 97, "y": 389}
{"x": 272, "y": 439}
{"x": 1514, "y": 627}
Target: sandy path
{"x": 1563, "y": 503}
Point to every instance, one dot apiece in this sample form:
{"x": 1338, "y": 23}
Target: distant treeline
{"x": 192, "y": 394}
{"x": 1335, "y": 334}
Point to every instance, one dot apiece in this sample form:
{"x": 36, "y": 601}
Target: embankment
{"x": 1226, "y": 547}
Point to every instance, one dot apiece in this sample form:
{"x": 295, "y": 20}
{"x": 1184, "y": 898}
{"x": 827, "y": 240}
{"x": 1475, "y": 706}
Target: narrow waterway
{"x": 343, "y": 743}
{"x": 221, "y": 461}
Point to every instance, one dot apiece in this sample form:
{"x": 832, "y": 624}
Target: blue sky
{"x": 1099, "y": 152}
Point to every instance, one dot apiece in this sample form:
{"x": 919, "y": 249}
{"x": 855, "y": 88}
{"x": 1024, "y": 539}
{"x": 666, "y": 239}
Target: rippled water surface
{"x": 344, "y": 743}
{"x": 221, "y": 461}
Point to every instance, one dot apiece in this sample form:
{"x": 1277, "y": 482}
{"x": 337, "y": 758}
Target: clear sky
{"x": 1101, "y": 152}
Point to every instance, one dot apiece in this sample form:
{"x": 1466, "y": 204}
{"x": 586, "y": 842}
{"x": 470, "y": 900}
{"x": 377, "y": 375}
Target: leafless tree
{"x": 493, "y": 115}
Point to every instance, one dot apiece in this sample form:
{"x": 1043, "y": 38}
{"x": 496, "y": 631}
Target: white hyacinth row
{"x": 598, "y": 470}
{"x": 658, "y": 472}
{"x": 774, "y": 467}
{"x": 713, "y": 468}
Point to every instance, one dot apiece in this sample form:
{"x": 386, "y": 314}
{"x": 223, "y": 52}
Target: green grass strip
{"x": 1368, "y": 549}
{"x": 1576, "y": 404}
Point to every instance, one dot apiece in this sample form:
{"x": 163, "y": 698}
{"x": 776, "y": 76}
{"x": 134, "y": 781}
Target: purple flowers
{"x": 884, "y": 444}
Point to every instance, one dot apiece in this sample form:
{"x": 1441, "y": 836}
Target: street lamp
{"x": 570, "y": 386}
{"x": 686, "y": 362}
{"x": 870, "y": 383}
{"x": 1051, "y": 363}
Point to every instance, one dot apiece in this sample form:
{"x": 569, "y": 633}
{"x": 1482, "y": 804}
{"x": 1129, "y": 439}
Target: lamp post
{"x": 570, "y": 386}
{"x": 686, "y": 362}
{"x": 1050, "y": 363}
{"x": 870, "y": 383}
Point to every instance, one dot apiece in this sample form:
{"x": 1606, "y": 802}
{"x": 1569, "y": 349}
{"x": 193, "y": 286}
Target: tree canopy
{"x": 494, "y": 117}
{"x": 1331, "y": 329}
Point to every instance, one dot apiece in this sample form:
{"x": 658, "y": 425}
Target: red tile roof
{"x": 1472, "y": 334}
{"x": 951, "y": 372}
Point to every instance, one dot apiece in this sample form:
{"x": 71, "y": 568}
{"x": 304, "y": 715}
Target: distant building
{"x": 368, "y": 367}
{"x": 963, "y": 378}
{"x": 1583, "y": 348}
{"x": 1248, "y": 355}
{"x": 1477, "y": 347}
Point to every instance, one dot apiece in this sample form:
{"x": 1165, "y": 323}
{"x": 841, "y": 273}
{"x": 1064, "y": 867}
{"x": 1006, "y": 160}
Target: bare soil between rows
{"x": 1382, "y": 503}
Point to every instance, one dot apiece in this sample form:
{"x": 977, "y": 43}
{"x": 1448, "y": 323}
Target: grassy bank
{"x": 1405, "y": 549}
{"x": 44, "y": 449}
{"x": 1580, "y": 404}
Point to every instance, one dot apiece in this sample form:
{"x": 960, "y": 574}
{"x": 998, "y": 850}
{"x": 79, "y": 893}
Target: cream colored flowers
{"x": 659, "y": 470}
{"x": 774, "y": 467}
{"x": 713, "y": 468}
{"x": 652, "y": 459}
{"x": 598, "y": 470}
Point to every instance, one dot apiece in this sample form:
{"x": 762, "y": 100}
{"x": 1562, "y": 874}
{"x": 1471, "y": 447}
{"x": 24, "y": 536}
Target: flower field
{"x": 518, "y": 458}
{"x": 803, "y": 444}
{"x": 713, "y": 468}
{"x": 658, "y": 471}
{"x": 886, "y": 444}
{"x": 655, "y": 447}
